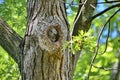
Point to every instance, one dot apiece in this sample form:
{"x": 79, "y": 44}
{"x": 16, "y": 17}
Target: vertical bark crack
{"x": 42, "y": 65}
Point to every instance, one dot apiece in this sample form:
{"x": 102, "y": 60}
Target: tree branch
{"x": 82, "y": 21}
{"x": 83, "y": 17}
{"x": 106, "y": 69}
{"x": 10, "y": 40}
{"x": 111, "y": 7}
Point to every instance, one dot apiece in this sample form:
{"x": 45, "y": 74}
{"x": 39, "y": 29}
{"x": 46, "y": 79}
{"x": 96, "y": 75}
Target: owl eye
{"x": 53, "y": 34}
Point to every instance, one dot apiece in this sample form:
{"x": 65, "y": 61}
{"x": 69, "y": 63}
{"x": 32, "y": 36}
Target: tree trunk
{"x": 47, "y": 30}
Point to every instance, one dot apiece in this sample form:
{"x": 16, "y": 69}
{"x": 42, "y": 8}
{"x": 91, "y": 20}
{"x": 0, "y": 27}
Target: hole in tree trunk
{"x": 53, "y": 34}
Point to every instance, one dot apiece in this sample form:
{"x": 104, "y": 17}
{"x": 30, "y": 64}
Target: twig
{"x": 106, "y": 69}
{"x": 102, "y": 12}
{"x": 108, "y": 31}
{"x": 107, "y": 39}
{"x": 71, "y": 33}
{"x": 97, "y": 46}
{"x": 78, "y": 16}
{"x": 108, "y": 2}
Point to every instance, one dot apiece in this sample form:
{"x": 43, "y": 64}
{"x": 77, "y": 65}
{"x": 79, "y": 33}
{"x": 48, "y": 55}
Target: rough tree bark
{"x": 39, "y": 54}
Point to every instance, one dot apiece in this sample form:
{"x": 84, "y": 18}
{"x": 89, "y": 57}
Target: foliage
{"x": 14, "y": 12}
{"x": 84, "y": 38}
{"x": 8, "y": 67}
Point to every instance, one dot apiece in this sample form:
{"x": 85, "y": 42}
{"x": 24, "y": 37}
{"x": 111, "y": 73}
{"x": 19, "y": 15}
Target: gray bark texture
{"x": 39, "y": 54}
{"x": 47, "y": 30}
